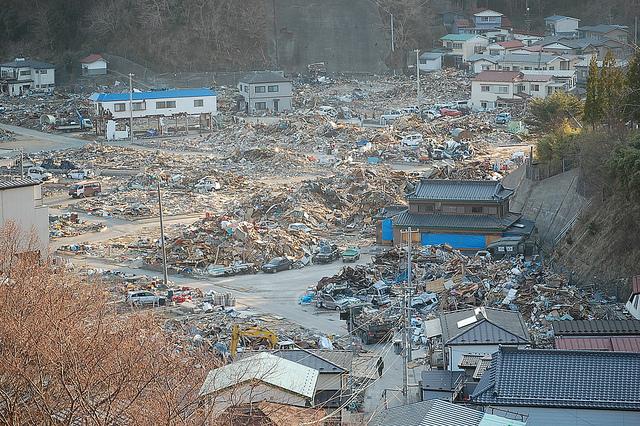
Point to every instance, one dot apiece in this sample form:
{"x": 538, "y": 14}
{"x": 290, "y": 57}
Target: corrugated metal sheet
{"x": 17, "y": 183}
{"x": 387, "y": 230}
{"x": 457, "y": 241}
{"x": 264, "y": 367}
{"x": 161, "y": 94}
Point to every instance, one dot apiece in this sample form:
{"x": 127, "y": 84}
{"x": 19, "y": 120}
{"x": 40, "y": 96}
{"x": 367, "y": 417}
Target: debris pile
{"x": 70, "y": 225}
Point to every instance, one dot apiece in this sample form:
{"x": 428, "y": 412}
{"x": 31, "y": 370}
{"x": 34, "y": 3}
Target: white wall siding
{"x": 183, "y": 105}
{"x": 23, "y": 206}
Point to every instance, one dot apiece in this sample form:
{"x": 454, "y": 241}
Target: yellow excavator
{"x": 258, "y": 336}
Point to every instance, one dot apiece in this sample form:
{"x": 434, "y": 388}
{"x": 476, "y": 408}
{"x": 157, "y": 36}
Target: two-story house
{"x": 265, "y": 91}
{"x": 524, "y": 63}
{"x": 503, "y": 47}
{"x": 603, "y": 31}
{"x": 462, "y": 46}
{"x": 465, "y": 214}
{"x": 23, "y": 75}
{"x": 488, "y": 19}
{"x": 561, "y": 25}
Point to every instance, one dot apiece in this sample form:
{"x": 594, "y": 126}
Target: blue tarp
{"x": 387, "y": 230}
{"x": 457, "y": 241}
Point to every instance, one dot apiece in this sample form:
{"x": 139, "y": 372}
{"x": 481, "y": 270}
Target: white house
{"x": 562, "y": 25}
{"x": 431, "y": 61}
{"x": 23, "y": 75}
{"x": 159, "y": 103}
{"x": 21, "y": 204}
{"x": 520, "y": 62}
{"x": 494, "y": 89}
{"x": 633, "y": 304}
{"x": 261, "y": 377}
{"x": 93, "y": 64}
{"x": 480, "y": 331}
{"x": 502, "y": 47}
{"x": 463, "y": 46}
{"x": 488, "y": 19}
{"x": 265, "y": 91}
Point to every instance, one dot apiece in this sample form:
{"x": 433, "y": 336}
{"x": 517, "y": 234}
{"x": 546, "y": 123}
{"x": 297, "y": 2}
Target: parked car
{"x": 411, "y": 110}
{"x": 390, "y": 116}
{"x": 351, "y": 254}
{"x": 378, "y": 294}
{"x": 338, "y": 303}
{"x": 449, "y": 112}
{"x": 208, "y": 184}
{"x": 139, "y": 298}
{"x": 430, "y": 114}
{"x": 39, "y": 174}
{"x": 503, "y": 118}
{"x": 327, "y": 110}
{"x": 81, "y": 174}
{"x": 412, "y": 139}
{"x": 327, "y": 254}
{"x": 85, "y": 189}
{"x": 424, "y": 303}
{"x": 277, "y": 264}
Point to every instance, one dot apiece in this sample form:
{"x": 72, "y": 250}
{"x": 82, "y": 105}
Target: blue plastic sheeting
{"x": 160, "y": 94}
{"x": 387, "y": 230}
{"x": 458, "y": 241}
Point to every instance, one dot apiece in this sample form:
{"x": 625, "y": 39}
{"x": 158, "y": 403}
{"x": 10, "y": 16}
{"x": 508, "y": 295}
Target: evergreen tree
{"x": 611, "y": 90}
{"x": 592, "y": 107}
{"x": 632, "y": 100}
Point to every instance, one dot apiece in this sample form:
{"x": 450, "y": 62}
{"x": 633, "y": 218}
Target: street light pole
{"x": 165, "y": 275}
{"x": 419, "y": 95}
{"x": 131, "y": 107}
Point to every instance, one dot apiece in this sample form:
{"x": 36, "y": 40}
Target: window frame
{"x": 277, "y": 88}
{"x": 200, "y": 101}
{"x": 260, "y": 106}
{"x": 120, "y": 107}
{"x": 262, "y": 89}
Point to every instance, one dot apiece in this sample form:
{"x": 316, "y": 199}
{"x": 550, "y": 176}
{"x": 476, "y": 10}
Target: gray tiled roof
{"x": 460, "y": 190}
{"x": 564, "y": 379}
{"x": 342, "y": 359}
{"x": 482, "y": 366}
{"x": 30, "y": 63}
{"x": 310, "y": 360}
{"x": 263, "y": 77}
{"x": 441, "y": 380}
{"x": 470, "y": 360}
{"x": 450, "y": 221}
{"x": 493, "y": 326}
{"x": 17, "y": 183}
{"x": 533, "y": 58}
{"x": 596, "y": 327}
{"x": 603, "y": 28}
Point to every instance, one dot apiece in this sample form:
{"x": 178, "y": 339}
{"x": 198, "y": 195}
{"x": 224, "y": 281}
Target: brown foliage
{"x": 67, "y": 356}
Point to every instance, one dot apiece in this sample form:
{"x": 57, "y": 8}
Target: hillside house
{"x": 466, "y": 214}
{"x": 561, "y": 387}
{"x": 21, "y": 204}
{"x": 520, "y": 62}
{"x": 22, "y": 76}
{"x": 93, "y": 64}
{"x": 502, "y": 47}
{"x": 561, "y": 25}
{"x": 164, "y": 103}
{"x": 603, "y": 31}
{"x": 479, "y": 331}
{"x": 462, "y": 46}
{"x": 431, "y": 61}
{"x": 633, "y": 304}
{"x": 488, "y": 19}
{"x": 264, "y": 91}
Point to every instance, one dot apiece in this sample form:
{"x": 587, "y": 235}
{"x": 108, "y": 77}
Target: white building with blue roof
{"x": 165, "y": 103}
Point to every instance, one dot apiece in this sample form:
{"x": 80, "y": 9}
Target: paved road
{"x": 45, "y": 141}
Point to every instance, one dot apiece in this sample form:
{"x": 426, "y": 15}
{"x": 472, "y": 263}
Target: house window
{"x": 120, "y": 107}
{"x": 261, "y": 106}
{"x": 535, "y": 87}
{"x": 260, "y": 89}
{"x": 503, "y": 89}
{"x": 425, "y": 208}
{"x": 483, "y": 105}
{"x": 516, "y": 68}
{"x": 485, "y": 88}
{"x": 527, "y": 68}
{"x": 476, "y": 209}
{"x": 165, "y": 104}
{"x": 484, "y": 18}
{"x": 27, "y": 72}
{"x": 520, "y": 88}
{"x": 552, "y": 68}
{"x": 138, "y": 106}
{"x": 485, "y": 67}
{"x": 449, "y": 209}
{"x": 490, "y": 210}
{"x": 246, "y": 89}
{"x": 43, "y": 71}
{"x": 273, "y": 89}
{"x": 457, "y": 45}
{"x": 198, "y": 103}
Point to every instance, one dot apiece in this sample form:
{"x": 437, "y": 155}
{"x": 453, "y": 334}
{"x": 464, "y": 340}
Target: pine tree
{"x": 592, "y": 107}
{"x": 632, "y": 99}
{"x": 611, "y": 91}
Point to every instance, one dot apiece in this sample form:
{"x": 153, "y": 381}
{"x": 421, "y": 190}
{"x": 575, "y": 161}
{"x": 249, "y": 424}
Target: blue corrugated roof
{"x": 161, "y": 94}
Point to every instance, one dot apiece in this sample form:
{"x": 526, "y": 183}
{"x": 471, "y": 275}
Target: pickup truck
{"x": 351, "y": 254}
{"x": 326, "y": 254}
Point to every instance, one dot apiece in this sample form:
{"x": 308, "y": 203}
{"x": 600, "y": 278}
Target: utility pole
{"x": 22, "y": 162}
{"x": 393, "y": 47}
{"x": 409, "y": 291}
{"x": 165, "y": 275}
{"x": 131, "y": 111}
{"x": 419, "y": 94}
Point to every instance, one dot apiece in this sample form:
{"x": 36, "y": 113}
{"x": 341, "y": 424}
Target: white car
{"x": 139, "y": 298}
{"x": 208, "y": 184}
{"x": 390, "y": 116}
{"x": 298, "y": 227}
{"x": 39, "y": 174}
{"x": 81, "y": 174}
{"x": 412, "y": 140}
